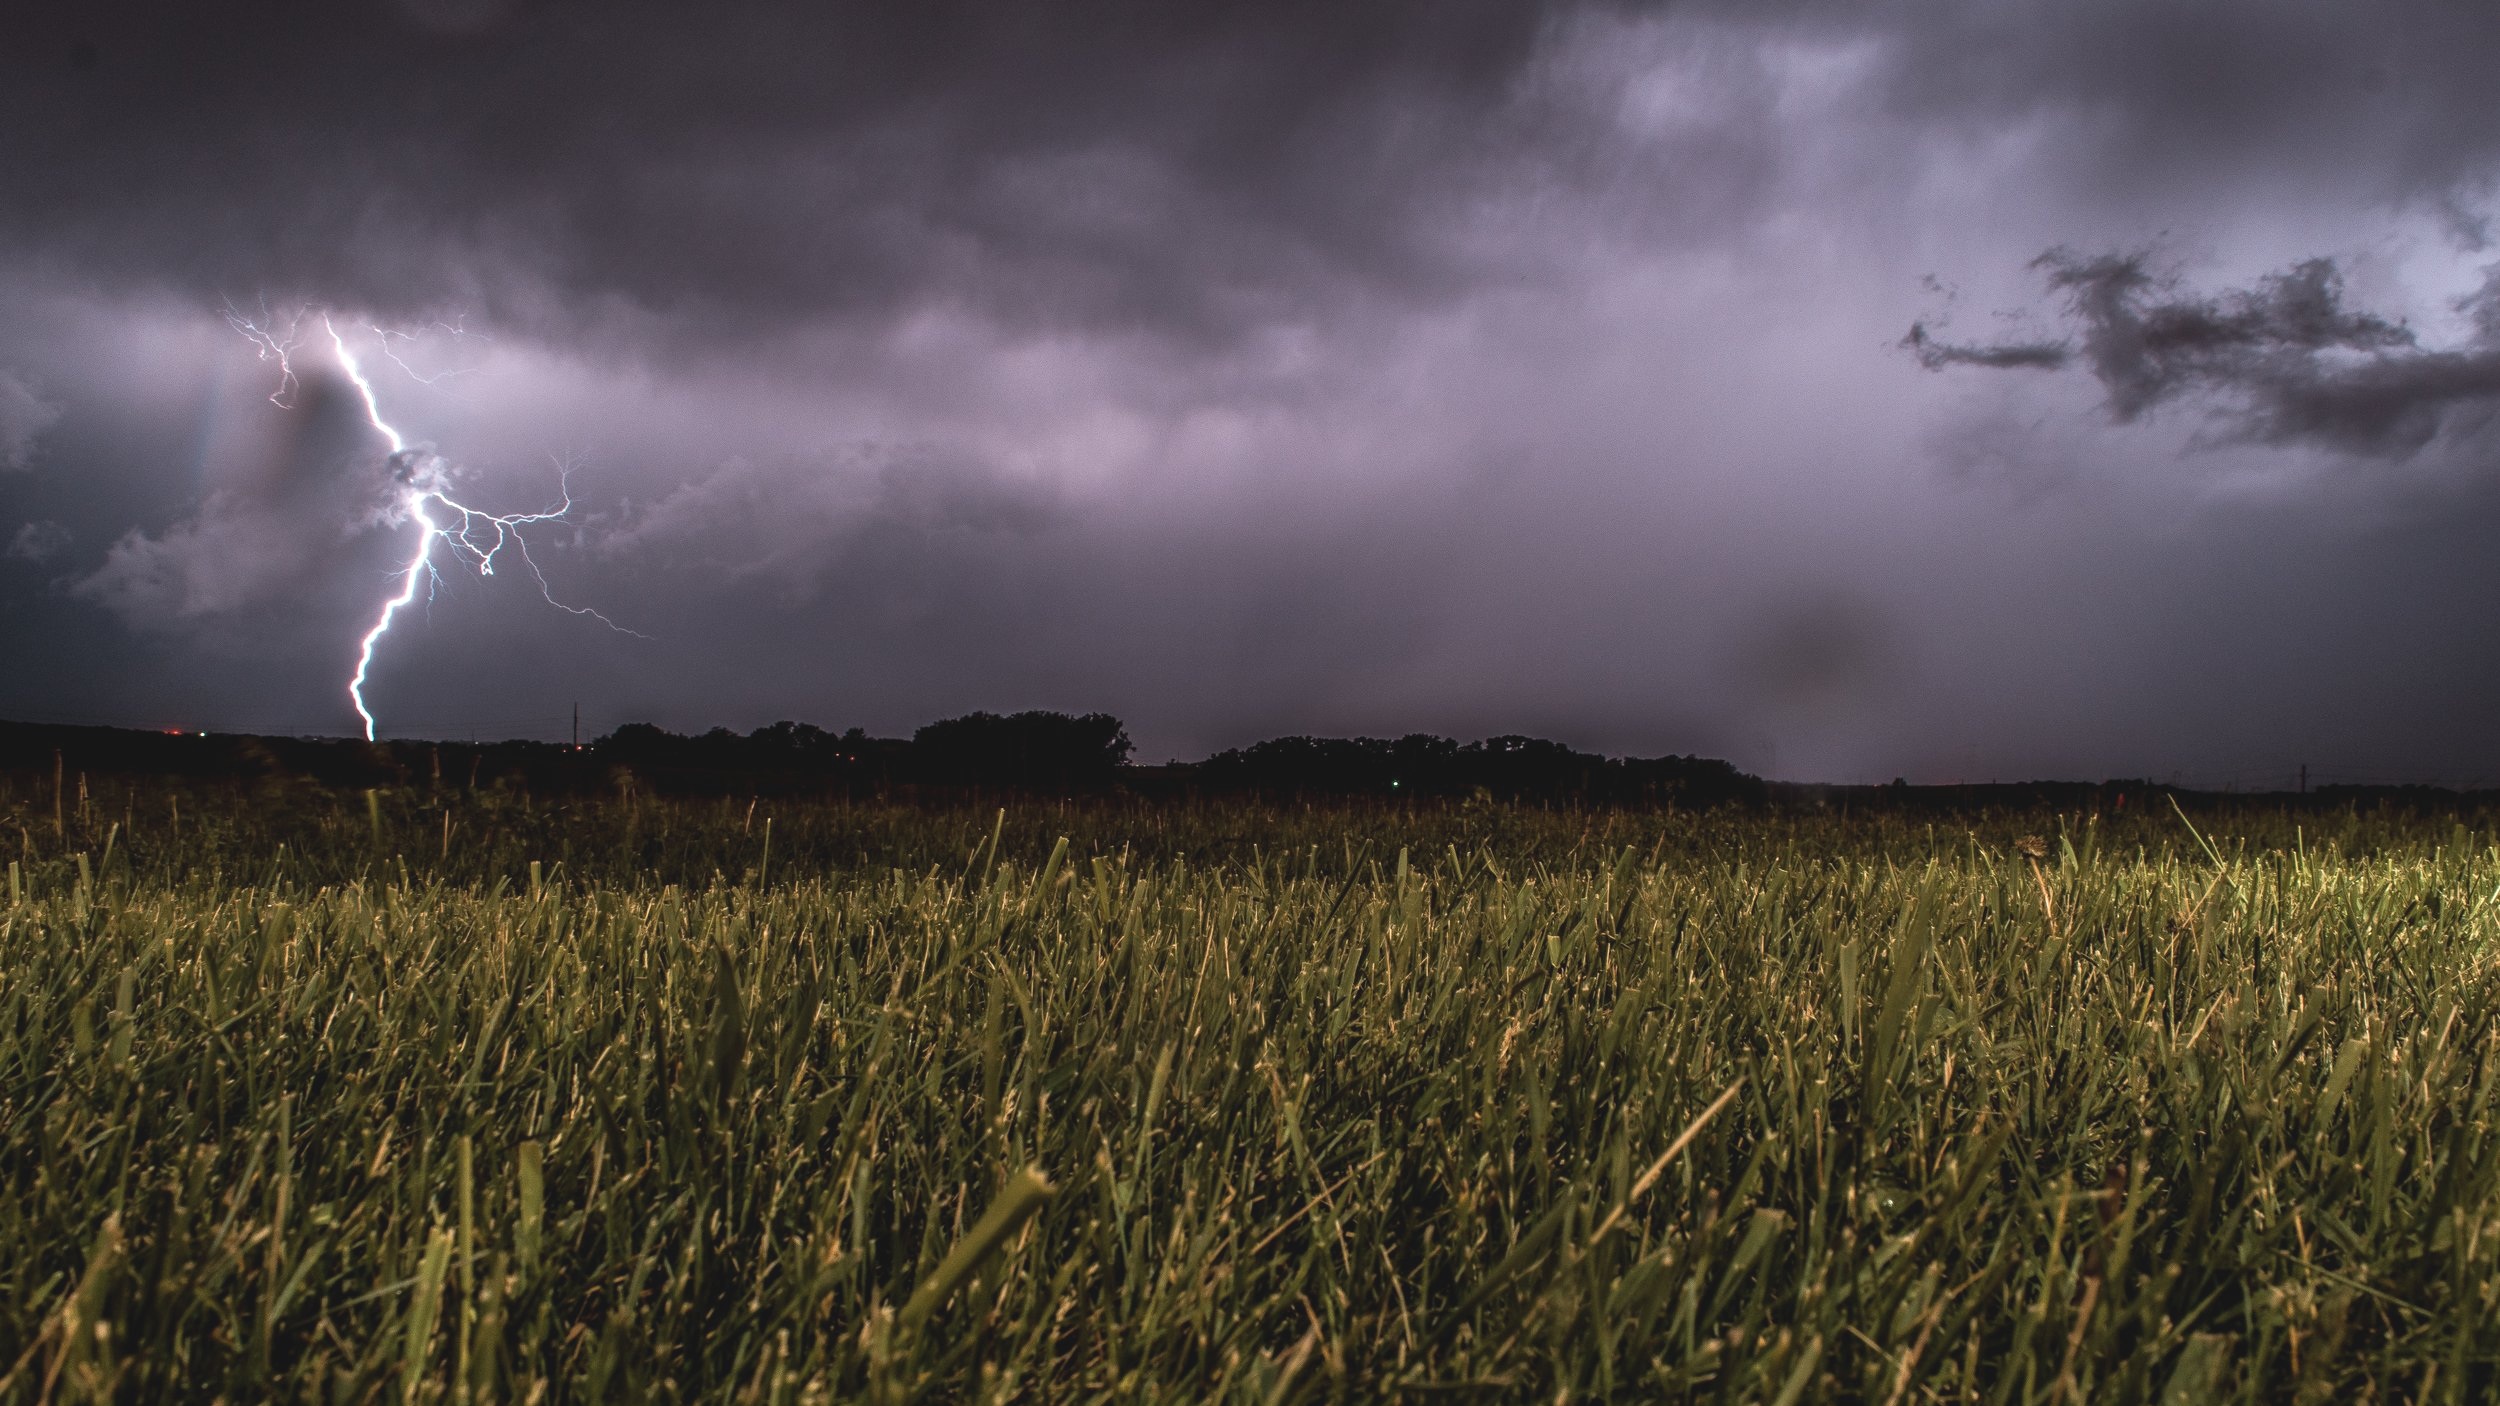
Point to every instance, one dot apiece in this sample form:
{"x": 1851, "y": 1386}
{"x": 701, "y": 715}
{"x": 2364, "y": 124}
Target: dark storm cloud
{"x": 2394, "y": 98}
{"x": 2007, "y": 356}
{"x": 2269, "y": 106}
{"x": 651, "y": 169}
{"x": 1250, "y": 368}
{"x": 1115, "y": 162}
{"x": 2288, "y": 358}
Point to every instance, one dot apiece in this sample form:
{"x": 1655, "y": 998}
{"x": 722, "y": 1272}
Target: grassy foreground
{"x": 471, "y": 1098}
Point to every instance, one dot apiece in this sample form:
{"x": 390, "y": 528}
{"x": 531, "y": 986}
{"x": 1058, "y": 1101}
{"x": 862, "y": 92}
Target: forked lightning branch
{"x": 474, "y": 538}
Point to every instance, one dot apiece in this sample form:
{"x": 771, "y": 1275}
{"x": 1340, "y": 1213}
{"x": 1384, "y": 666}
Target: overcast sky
{"x": 1336, "y": 366}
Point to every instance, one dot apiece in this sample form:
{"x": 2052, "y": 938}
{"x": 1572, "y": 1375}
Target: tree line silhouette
{"x": 1046, "y": 754}
{"x": 1033, "y": 752}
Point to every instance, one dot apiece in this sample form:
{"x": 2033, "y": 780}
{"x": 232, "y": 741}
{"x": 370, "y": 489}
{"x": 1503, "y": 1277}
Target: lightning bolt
{"x": 274, "y": 343}
{"x": 472, "y": 536}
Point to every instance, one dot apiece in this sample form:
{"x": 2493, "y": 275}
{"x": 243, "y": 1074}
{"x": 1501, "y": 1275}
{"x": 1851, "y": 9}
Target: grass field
{"x": 472, "y": 1097}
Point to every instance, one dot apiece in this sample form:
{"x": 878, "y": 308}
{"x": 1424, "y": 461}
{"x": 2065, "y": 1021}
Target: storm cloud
{"x": 645, "y": 168}
{"x": 2290, "y": 359}
{"x": 1258, "y": 368}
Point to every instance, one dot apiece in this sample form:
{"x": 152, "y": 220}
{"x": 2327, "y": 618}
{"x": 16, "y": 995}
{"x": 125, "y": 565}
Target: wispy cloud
{"x": 2285, "y": 361}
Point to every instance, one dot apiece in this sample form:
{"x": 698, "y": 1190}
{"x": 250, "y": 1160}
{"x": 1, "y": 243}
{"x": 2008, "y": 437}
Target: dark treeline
{"x": 1033, "y": 753}
{"x": 1042, "y": 753}
{"x": 1498, "y": 768}
{"x": 1045, "y": 754}
{"x": 1057, "y": 754}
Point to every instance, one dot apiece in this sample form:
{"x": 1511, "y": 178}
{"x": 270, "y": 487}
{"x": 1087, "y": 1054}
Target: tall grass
{"x": 652, "y": 1100}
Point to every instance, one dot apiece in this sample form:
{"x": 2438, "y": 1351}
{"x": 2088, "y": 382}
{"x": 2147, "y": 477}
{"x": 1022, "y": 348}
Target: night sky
{"x": 1334, "y": 366}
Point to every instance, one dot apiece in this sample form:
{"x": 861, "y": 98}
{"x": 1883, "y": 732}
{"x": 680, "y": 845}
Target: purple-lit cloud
{"x": 2287, "y": 360}
{"x": 1306, "y": 367}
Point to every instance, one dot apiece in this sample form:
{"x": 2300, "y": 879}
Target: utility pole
{"x": 577, "y": 735}
{"x": 2304, "y": 778}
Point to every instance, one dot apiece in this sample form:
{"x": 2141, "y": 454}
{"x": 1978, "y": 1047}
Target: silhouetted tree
{"x": 1031, "y": 750}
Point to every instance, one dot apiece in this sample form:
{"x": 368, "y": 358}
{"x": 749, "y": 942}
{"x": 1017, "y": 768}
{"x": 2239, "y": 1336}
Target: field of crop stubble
{"x": 337, "y": 1096}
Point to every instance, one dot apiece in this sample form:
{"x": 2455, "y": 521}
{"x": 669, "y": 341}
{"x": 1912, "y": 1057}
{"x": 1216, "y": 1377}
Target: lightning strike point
{"x": 475, "y": 537}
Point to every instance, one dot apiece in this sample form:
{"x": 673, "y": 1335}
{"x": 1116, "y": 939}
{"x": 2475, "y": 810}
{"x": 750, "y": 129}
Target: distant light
{"x": 1393, "y": 785}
